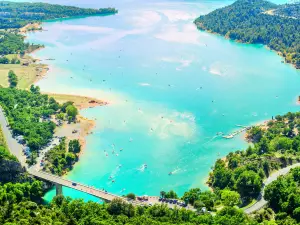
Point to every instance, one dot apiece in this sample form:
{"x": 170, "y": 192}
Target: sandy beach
{"x": 83, "y": 126}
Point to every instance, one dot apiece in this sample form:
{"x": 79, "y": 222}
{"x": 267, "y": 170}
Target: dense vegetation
{"x": 275, "y": 146}
{"x": 248, "y": 21}
{"x": 59, "y": 160}
{"x": 12, "y": 79}
{"x": 283, "y": 197}
{"x": 4, "y": 152}
{"x": 5, "y": 60}
{"x": 288, "y": 10}
{"x": 18, "y": 14}
{"x": 27, "y": 113}
{"x": 11, "y": 43}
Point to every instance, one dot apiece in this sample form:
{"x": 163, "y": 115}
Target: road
{"x": 16, "y": 149}
{"x": 13, "y": 145}
{"x": 261, "y": 201}
{"x": 74, "y": 185}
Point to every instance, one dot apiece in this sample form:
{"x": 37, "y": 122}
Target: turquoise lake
{"x": 171, "y": 89}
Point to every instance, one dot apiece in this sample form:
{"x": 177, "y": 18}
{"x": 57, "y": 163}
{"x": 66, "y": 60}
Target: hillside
{"x": 254, "y": 21}
{"x": 288, "y": 10}
{"x": 18, "y": 14}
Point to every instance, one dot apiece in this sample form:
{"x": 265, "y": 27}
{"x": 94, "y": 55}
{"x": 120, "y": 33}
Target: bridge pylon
{"x": 58, "y": 189}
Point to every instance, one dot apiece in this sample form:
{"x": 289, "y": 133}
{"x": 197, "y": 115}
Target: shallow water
{"x": 171, "y": 90}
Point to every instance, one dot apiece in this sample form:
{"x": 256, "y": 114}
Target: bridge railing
{"x": 36, "y": 173}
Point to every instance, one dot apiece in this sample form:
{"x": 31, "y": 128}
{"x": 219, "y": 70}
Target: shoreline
{"x": 201, "y": 27}
{"x": 83, "y": 125}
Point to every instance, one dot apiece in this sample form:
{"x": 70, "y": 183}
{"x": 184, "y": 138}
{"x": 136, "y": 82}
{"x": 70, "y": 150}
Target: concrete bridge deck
{"x": 104, "y": 195}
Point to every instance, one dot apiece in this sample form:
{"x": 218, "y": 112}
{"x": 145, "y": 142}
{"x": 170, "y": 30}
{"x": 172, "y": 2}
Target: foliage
{"x": 275, "y": 146}
{"x": 283, "y": 196}
{"x": 66, "y": 211}
{"x": 59, "y": 160}
{"x": 131, "y": 196}
{"x": 230, "y": 198}
{"x": 249, "y": 21}
{"x": 72, "y": 112}
{"x": 4, "y": 151}
{"x": 11, "y": 43}
{"x": 249, "y": 184}
{"x": 171, "y": 194}
{"x": 18, "y": 14}
{"x": 288, "y": 10}
{"x": 27, "y": 113}
{"x": 12, "y": 79}
{"x": 74, "y": 146}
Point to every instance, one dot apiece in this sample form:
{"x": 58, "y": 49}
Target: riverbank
{"x": 201, "y": 26}
{"x": 30, "y": 71}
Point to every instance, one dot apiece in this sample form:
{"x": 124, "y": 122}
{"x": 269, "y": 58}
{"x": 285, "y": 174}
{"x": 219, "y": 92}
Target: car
{"x": 74, "y": 184}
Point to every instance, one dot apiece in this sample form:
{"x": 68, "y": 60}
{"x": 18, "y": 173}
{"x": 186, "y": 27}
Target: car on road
{"x": 74, "y": 184}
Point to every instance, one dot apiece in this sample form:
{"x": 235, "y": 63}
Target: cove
{"x": 172, "y": 89}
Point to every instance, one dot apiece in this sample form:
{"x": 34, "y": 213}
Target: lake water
{"x": 171, "y": 90}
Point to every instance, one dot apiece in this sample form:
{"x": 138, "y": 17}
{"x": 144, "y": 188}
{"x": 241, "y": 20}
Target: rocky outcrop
{"x": 11, "y": 171}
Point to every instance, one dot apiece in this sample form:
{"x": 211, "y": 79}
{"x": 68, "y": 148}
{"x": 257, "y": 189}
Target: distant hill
{"x": 288, "y": 10}
{"x": 18, "y": 14}
{"x": 261, "y": 22}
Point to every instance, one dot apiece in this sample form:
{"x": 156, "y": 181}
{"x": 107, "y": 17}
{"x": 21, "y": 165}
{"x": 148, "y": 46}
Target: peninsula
{"x": 258, "y": 22}
{"x": 18, "y": 73}
{"x": 29, "y": 119}
{"x": 19, "y": 14}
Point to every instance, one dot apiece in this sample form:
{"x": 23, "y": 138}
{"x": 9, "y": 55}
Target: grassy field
{"x": 79, "y": 101}
{"x": 26, "y": 74}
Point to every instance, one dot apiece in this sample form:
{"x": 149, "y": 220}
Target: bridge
{"x": 59, "y": 182}
{"x": 16, "y": 149}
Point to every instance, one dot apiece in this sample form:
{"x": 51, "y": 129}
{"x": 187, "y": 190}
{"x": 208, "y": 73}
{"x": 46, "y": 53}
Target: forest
{"x": 253, "y": 21}
{"x": 18, "y": 14}
{"x": 288, "y": 10}
{"x": 283, "y": 197}
{"x": 275, "y": 146}
{"x": 61, "y": 158}
{"x": 27, "y": 113}
{"x": 11, "y": 43}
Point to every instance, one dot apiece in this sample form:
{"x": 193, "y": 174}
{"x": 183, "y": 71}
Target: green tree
{"x": 249, "y": 184}
{"x": 191, "y": 196}
{"x": 131, "y": 196}
{"x": 230, "y": 198}
{"x": 74, "y": 146}
{"x": 72, "y": 112}
{"x": 171, "y": 194}
{"x": 12, "y": 79}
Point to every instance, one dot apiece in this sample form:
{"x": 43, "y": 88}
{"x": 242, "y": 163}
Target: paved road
{"x": 13, "y": 145}
{"x": 16, "y": 149}
{"x": 261, "y": 201}
{"x": 74, "y": 185}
